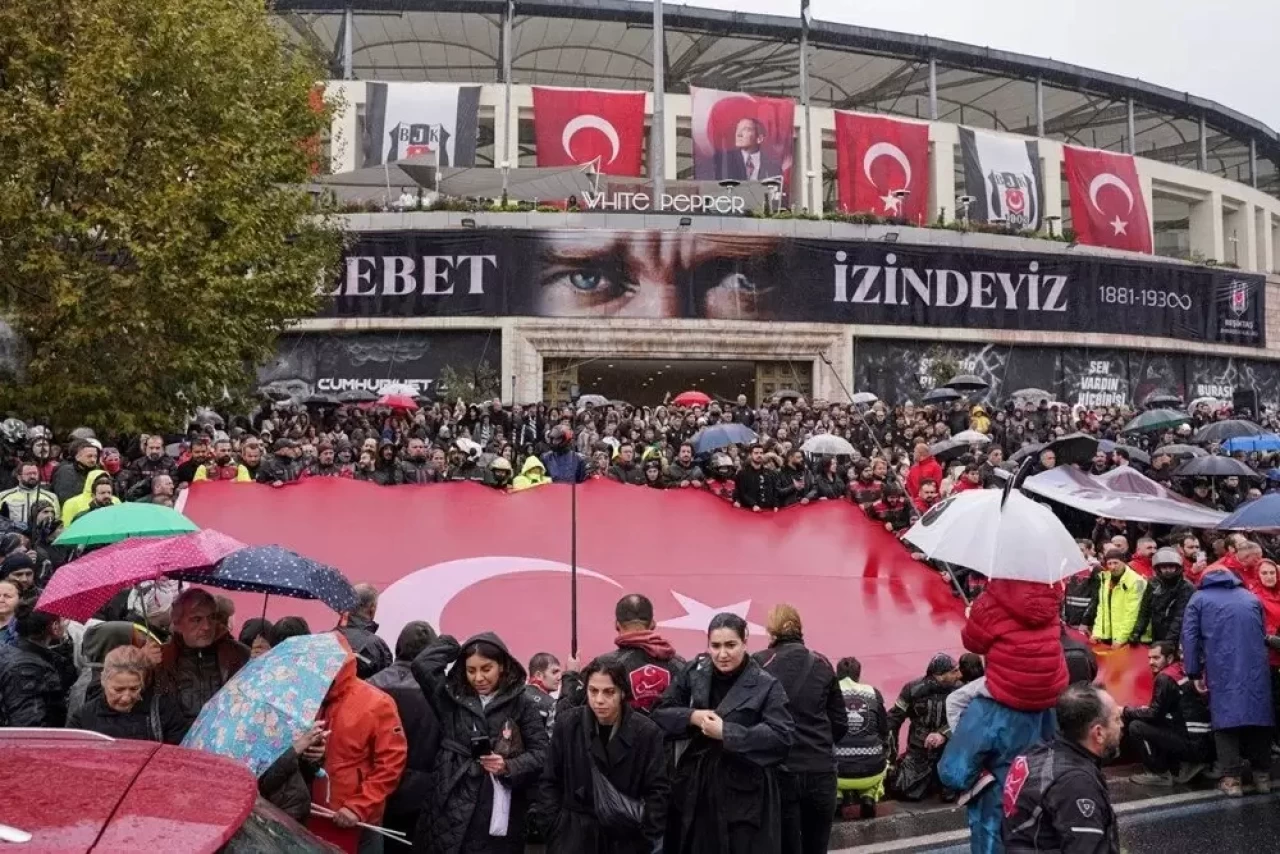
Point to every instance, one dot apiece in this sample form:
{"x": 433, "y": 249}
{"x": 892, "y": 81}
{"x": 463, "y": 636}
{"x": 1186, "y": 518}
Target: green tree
{"x": 475, "y": 384}
{"x": 153, "y": 240}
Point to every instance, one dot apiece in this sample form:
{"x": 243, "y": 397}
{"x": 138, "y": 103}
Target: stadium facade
{"x": 1156, "y": 273}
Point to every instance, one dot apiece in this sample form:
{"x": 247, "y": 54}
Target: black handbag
{"x": 615, "y": 811}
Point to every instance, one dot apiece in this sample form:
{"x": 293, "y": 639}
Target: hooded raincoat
{"x": 84, "y": 500}
{"x": 1015, "y": 625}
{"x": 459, "y": 812}
{"x": 1224, "y": 641}
{"x": 533, "y": 473}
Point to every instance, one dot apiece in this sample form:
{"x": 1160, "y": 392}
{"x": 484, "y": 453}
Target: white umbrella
{"x": 1212, "y": 402}
{"x": 971, "y": 437}
{"x": 1021, "y": 541}
{"x": 863, "y": 398}
{"x": 397, "y": 389}
{"x": 826, "y": 443}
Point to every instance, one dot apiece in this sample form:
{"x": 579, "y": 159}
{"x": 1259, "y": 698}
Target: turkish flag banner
{"x": 576, "y": 126}
{"x": 1107, "y": 204}
{"x": 882, "y": 166}
{"x": 467, "y": 558}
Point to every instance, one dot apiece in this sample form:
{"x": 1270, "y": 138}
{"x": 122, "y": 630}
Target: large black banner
{"x": 329, "y": 363}
{"x": 903, "y": 370}
{"x": 677, "y": 274}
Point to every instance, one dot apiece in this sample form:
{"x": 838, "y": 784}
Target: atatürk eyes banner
{"x": 679, "y": 274}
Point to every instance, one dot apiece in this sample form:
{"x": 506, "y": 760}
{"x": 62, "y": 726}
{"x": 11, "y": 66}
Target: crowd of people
{"x": 465, "y": 749}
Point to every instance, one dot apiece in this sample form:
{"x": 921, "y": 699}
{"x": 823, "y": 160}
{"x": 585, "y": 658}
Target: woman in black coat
{"x": 724, "y": 797}
{"x": 626, "y": 747}
{"x": 491, "y": 735}
{"x": 127, "y": 708}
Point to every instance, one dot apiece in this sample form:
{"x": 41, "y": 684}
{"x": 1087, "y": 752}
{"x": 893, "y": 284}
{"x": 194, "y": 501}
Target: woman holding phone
{"x": 493, "y": 743}
{"x": 724, "y": 795}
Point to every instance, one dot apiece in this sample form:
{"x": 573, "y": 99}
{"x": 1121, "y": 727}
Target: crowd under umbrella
{"x": 356, "y": 395}
{"x": 1265, "y": 443}
{"x": 826, "y": 444}
{"x": 949, "y": 449}
{"x": 275, "y": 570}
{"x": 1026, "y": 451}
{"x": 967, "y": 383}
{"x": 1215, "y": 466}
{"x": 942, "y": 394}
{"x": 79, "y": 589}
{"x": 1136, "y": 455}
{"x": 1222, "y": 431}
{"x": 692, "y": 398}
{"x": 717, "y": 436}
{"x": 1078, "y": 448}
{"x": 107, "y": 525}
{"x": 999, "y": 533}
{"x": 1179, "y": 452}
{"x": 1155, "y": 420}
{"x": 1261, "y": 514}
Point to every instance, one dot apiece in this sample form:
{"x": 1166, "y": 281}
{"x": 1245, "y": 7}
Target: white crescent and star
{"x": 698, "y": 616}
{"x": 581, "y": 123}
{"x": 887, "y": 149}
{"x": 1110, "y": 179}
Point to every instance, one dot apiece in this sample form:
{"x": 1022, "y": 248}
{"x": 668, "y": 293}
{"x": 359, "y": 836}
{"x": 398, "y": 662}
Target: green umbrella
{"x": 118, "y": 522}
{"x": 1155, "y": 420}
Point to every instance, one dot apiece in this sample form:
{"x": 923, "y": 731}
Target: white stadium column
{"x": 1051, "y": 166}
{"x": 1206, "y": 227}
{"x": 943, "y": 139}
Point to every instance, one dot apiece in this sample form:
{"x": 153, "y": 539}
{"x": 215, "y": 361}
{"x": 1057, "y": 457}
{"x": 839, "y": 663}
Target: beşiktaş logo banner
{"x": 331, "y": 363}
{"x": 677, "y": 274}
{"x": 403, "y": 120}
{"x": 1002, "y": 174}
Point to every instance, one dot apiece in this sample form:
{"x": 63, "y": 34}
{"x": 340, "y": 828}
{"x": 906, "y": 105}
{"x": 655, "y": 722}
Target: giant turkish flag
{"x": 876, "y": 156}
{"x": 575, "y": 126}
{"x": 1107, "y": 205}
{"x": 467, "y": 559}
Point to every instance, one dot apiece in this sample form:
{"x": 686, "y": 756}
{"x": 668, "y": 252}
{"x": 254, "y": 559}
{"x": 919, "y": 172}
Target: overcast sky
{"x": 1225, "y": 50}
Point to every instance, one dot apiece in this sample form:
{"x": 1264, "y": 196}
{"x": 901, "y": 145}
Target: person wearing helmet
{"x": 562, "y": 463}
{"x": 68, "y": 478}
{"x": 499, "y": 476}
{"x": 464, "y": 461}
{"x": 1164, "y": 601}
{"x": 722, "y": 479}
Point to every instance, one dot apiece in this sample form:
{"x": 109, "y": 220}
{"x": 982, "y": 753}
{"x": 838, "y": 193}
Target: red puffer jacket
{"x": 1016, "y": 625}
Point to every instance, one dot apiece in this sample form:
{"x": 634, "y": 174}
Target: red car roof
{"x": 81, "y": 794}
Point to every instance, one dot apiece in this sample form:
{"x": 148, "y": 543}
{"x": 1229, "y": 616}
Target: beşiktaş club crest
{"x": 1013, "y": 198}
{"x": 1002, "y": 174}
{"x": 1239, "y": 297}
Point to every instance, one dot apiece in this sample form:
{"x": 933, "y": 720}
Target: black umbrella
{"x": 1155, "y": 420}
{"x": 942, "y": 395}
{"x": 1035, "y": 394}
{"x": 1075, "y": 448}
{"x": 1026, "y": 451}
{"x": 1180, "y": 451}
{"x": 1212, "y": 466}
{"x": 787, "y": 394}
{"x": 949, "y": 449}
{"x": 967, "y": 383}
{"x": 357, "y": 395}
{"x": 1220, "y": 431}
{"x": 276, "y": 394}
{"x": 321, "y": 400}
{"x": 1162, "y": 400}
{"x": 1136, "y": 455}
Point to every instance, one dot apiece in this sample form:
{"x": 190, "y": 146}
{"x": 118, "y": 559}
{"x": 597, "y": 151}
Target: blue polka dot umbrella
{"x": 275, "y": 570}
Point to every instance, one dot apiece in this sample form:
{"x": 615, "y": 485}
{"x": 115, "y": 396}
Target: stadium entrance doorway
{"x": 651, "y": 382}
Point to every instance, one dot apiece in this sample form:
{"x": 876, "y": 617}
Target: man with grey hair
{"x": 200, "y": 657}
{"x": 360, "y": 630}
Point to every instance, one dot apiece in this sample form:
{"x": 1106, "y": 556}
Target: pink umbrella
{"x": 692, "y": 398}
{"x": 83, "y": 586}
{"x": 398, "y": 401}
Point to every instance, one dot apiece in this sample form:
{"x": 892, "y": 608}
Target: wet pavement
{"x": 1248, "y": 824}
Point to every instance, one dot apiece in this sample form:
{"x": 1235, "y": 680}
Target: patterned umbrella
{"x": 273, "y": 699}
{"x": 276, "y": 570}
{"x": 122, "y": 521}
{"x": 80, "y": 588}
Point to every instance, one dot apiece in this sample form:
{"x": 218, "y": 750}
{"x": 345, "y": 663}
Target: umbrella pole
{"x": 265, "y": 597}
{"x": 573, "y": 568}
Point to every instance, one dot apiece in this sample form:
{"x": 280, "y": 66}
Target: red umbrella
{"x": 692, "y": 398}
{"x": 80, "y": 588}
{"x": 398, "y": 401}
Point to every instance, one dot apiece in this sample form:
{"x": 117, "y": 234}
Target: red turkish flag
{"x": 575, "y": 126}
{"x": 1107, "y": 205}
{"x": 876, "y": 156}
{"x": 467, "y": 558}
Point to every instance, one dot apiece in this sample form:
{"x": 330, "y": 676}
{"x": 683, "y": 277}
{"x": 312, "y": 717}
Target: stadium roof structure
{"x": 609, "y": 44}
